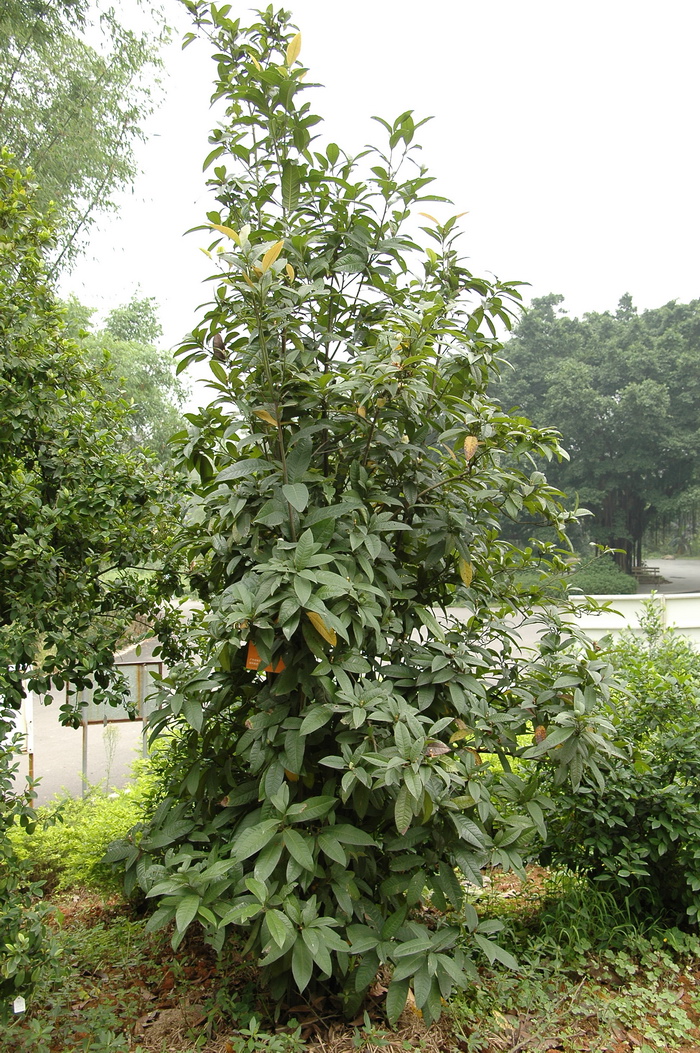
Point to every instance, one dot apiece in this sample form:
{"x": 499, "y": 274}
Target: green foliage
{"x": 640, "y": 835}
{"x": 623, "y": 391}
{"x": 588, "y": 964}
{"x": 598, "y": 577}
{"x": 79, "y": 513}
{"x": 251, "y": 1039}
{"x": 352, "y": 472}
{"x": 76, "y": 85}
{"x": 602, "y": 577}
{"x": 72, "y": 835}
{"x": 77, "y": 517}
{"x": 134, "y": 368}
{"x": 28, "y": 951}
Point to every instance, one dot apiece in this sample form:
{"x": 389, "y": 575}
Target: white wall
{"x": 680, "y": 610}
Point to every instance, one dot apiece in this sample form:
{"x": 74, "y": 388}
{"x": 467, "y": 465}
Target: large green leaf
{"x": 297, "y": 494}
{"x": 298, "y": 848}
{"x": 254, "y": 838}
{"x": 302, "y": 964}
{"x": 186, "y": 911}
{"x": 396, "y": 999}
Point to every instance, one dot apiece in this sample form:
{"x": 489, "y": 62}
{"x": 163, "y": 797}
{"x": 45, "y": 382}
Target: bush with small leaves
{"x": 639, "y": 835}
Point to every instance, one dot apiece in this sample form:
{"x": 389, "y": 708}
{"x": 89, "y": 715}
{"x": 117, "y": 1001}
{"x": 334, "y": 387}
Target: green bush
{"x": 602, "y": 578}
{"x": 72, "y": 835}
{"x": 349, "y": 474}
{"x": 637, "y": 830}
{"x": 28, "y": 950}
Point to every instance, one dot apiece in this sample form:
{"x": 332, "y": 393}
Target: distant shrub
{"x": 602, "y": 578}
{"x": 637, "y": 830}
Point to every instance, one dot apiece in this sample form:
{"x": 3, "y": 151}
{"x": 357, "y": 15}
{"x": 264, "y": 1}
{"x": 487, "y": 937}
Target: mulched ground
{"x": 165, "y": 1001}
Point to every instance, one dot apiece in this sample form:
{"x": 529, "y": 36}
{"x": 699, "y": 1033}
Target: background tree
{"x": 80, "y": 519}
{"x": 624, "y": 390}
{"x": 135, "y": 368}
{"x": 79, "y": 511}
{"x": 76, "y": 85}
{"x": 352, "y": 473}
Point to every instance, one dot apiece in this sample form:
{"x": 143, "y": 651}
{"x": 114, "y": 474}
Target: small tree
{"x": 338, "y": 732}
{"x": 81, "y": 514}
{"x": 78, "y": 516}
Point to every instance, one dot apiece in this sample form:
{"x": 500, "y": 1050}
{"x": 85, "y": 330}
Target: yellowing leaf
{"x": 264, "y": 415}
{"x": 466, "y": 571}
{"x": 247, "y": 278}
{"x": 255, "y": 62}
{"x": 271, "y": 255}
{"x": 329, "y": 635}
{"x": 290, "y": 272}
{"x": 293, "y": 49}
{"x": 470, "y": 446}
{"x": 361, "y": 411}
{"x": 228, "y": 231}
{"x": 206, "y": 252}
{"x": 428, "y": 216}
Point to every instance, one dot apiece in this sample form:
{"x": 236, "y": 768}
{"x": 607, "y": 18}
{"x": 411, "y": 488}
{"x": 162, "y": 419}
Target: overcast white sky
{"x": 567, "y": 130}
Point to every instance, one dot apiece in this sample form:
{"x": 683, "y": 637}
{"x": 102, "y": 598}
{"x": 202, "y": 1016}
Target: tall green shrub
{"x": 351, "y": 472}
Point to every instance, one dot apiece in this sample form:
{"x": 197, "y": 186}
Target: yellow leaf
{"x": 228, "y": 231}
{"x": 255, "y": 62}
{"x": 470, "y": 445}
{"x": 321, "y": 628}
{"x": 206, "y": 252}
{"x": 247, "y": 278}
{"x": 428, "y": 216}
{"x": 361, "y": 411}
{"x": 466, "y": 571}
{"x": 264, "y": 415}
{"x": 271, "y": 255}
{"x": 290, "y": 272}
{"x": 293, "y": 49}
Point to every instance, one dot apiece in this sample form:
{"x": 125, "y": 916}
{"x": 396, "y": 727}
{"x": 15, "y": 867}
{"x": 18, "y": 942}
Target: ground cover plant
{"x": 331, "y": 768}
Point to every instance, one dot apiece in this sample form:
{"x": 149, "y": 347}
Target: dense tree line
{"x": 624, "y": 390}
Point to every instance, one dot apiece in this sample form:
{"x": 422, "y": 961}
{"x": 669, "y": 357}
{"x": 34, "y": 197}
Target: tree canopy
{"x": 76, "y": 84}
{"x": 125, "y": 349}
{"x": 80, "y": 513}
{"x": 624, "y": 390}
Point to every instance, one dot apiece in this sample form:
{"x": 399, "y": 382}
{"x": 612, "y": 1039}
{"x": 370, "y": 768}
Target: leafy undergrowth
{"x": 592, "y": 978}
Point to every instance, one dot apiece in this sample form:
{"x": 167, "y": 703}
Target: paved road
{"x": 682, "y": 575}
{"x": 112, "y": 750}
